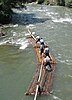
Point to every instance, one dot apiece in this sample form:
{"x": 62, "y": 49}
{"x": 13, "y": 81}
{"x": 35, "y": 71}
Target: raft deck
{"x": 46, "y": 77}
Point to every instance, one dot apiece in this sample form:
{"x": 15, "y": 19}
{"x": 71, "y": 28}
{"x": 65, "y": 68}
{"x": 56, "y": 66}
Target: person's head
{"x": 41, "y": 40}
{"x": 37, "y": 37}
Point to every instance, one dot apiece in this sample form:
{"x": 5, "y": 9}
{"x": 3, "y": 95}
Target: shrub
{"x": 40, "y": 1}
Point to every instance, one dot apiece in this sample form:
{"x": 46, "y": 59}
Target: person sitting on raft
{"x": 46, "y": 63}
{"x": 42, "y": 42}
{"x": 42, "y": 46}
{"x": 39, "y": 40}
{"x": 46, "y": 53}
{"x": 41, "y": 49}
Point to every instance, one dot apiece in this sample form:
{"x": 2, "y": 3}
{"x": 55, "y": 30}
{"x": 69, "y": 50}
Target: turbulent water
{"x": 17, "y": 57}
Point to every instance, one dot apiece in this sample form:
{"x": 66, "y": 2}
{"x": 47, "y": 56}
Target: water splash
{"x": 57, "y": 19}
{"x": 56, "y": 98}
{"x": 24, "y": 45}
{"x": 21, "y": 42}
{"x": 16, "y": 25}
{"x": 70, "y": 76}
{"x": 30, "y": 26}
{"x": 4, "y": 42}
{"x": 61, "y": 20}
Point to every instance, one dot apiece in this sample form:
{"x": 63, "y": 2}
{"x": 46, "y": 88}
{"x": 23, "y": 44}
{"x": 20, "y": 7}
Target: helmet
{"x": 37, "y": 37}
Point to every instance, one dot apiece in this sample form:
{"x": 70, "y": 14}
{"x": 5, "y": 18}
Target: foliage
{"x": 46, "y": 2}
{"x": 69, "y": 3}
{"x": 40, "y": 1}
{"x": 61, "y": 2}
{"x": 5, "y": 11}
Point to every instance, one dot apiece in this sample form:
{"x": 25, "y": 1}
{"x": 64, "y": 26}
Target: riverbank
{"x": 6, "y": 12}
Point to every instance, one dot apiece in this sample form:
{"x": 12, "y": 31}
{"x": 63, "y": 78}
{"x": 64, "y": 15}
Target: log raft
{"x": 46, "y": 77}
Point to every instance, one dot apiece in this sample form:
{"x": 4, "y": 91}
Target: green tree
{"x": 5, "y": 11}
{"x": 40, "y": 1}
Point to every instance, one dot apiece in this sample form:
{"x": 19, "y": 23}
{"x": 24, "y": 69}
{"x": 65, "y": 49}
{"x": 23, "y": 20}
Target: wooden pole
{"x": 38, "y": 81}
{"x": 31, "y": 34}
{"x": 39, "y": 72}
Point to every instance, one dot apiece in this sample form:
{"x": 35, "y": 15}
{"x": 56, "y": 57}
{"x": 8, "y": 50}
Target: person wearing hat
{"x": 46, "y": 63}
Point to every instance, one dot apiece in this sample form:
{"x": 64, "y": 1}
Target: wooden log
{"x": 38, "y": 81}
{"x": 46, "y": 78}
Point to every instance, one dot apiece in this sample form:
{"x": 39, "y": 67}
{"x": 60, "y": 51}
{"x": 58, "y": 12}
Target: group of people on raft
{"x": 44, "y": 52}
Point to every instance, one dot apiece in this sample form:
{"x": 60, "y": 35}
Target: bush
{"x": 40, "y": 1}
{"x": 46, "y": 2}
{"x": 5, "y": 12}
{"x": 69, "y": 4}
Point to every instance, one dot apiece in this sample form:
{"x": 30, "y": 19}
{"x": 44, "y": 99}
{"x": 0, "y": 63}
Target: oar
{"x": 38, "y": 81}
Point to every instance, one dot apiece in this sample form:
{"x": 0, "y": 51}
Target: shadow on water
{"x": 25, "y": 19}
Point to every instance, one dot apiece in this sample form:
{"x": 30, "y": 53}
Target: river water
{"x": 17, "y": 57}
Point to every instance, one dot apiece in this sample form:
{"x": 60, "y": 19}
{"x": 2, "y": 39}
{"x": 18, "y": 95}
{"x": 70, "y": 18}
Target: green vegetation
{"x": 40, "y": 1}
{"x": 68, "y": 3}
{"x": 5, "y": 11}
{"x": 46, "y": 2}
{"x": 6, "y": 5}
{"x": 61, "y": 2}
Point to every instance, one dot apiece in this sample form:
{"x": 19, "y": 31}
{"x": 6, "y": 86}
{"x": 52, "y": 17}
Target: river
{"x": 17, "y": 57}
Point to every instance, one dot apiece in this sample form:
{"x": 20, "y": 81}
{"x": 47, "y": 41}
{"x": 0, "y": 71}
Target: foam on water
{"x": 40, "y": 10}
{"x": 16, "y": 25}
{"x": 31, "y": 26}
{"x": 51, "y": 13}
{"x": 56, "y": 98}
{"x": 57, "y": 19}
{"x": 61, "y": 20}
{"x": 66, "y": 61}
{"x": 70, "y": 76}
{"x": 21, "y": 42}
{"x": 24, "y": 44}
{"x": 4, "y": 42}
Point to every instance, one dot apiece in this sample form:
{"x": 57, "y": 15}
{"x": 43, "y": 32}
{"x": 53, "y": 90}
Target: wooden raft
{"x": 46, "y": 78}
